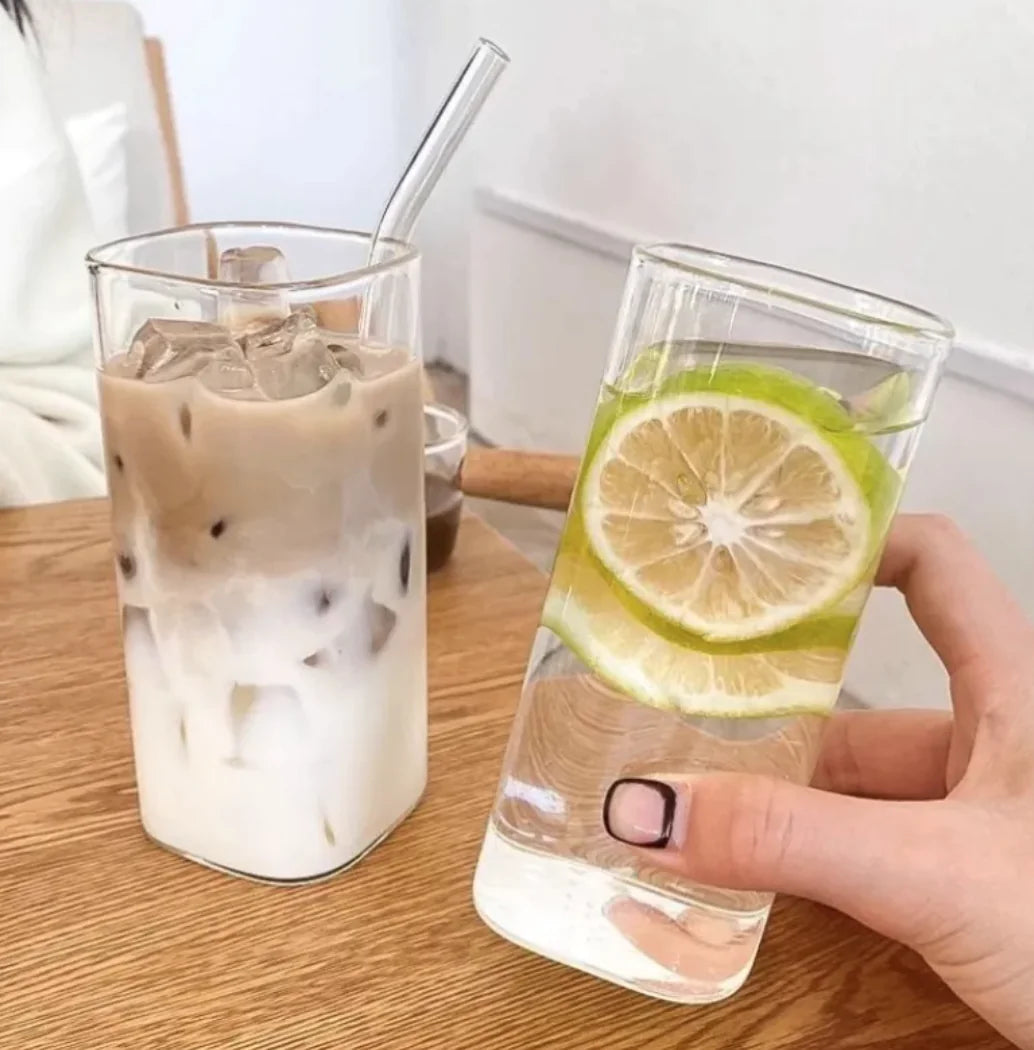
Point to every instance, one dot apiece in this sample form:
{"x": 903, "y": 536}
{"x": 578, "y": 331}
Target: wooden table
{"x": 107, "y": 941}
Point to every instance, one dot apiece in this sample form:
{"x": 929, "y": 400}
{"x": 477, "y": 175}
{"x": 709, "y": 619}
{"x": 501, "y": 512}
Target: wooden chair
{"x": 163, "y": 103}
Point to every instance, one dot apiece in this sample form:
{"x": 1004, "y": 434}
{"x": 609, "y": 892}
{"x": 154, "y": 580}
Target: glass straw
{"x": 443, "y": 136}
{"x": 446, "y": 132}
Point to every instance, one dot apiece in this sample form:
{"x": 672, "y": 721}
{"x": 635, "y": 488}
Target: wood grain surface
{"x": 107, "y": 941}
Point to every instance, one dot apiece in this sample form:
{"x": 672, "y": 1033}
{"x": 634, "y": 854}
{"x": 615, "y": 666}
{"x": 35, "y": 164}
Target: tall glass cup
{"x": 751, "y": 436}
{"x": 266, "y": 478}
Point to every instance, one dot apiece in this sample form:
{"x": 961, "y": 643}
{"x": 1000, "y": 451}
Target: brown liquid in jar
{"x": 444, "y": 509}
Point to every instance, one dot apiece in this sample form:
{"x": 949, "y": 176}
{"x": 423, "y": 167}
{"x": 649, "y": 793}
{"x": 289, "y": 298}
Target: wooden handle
{"x": 534, "y": 479}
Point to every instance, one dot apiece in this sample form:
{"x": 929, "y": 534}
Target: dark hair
{"x": 19, "y": 11}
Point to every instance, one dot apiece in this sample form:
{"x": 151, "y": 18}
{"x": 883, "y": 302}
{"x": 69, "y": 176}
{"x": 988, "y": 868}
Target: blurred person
{"x": 50, "y": 442}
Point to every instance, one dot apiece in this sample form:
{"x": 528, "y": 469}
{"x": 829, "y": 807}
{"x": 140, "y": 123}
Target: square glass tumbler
{"x": 745, "y": 460}
{"x": 264, "y": 453}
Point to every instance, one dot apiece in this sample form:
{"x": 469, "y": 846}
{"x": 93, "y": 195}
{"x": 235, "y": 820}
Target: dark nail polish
{"x": 640, "y": 812}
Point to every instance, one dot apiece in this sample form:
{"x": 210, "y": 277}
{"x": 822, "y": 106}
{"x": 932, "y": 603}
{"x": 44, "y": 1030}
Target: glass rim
{"x": 758, "y": 276}
{"x": 95, "y": 260}
{"x": 458, "y": 420}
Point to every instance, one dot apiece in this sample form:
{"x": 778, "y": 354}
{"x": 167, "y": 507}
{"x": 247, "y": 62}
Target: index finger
{"x": 964, "y": 611}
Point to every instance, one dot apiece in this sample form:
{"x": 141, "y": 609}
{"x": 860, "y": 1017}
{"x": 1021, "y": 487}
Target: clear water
{"x": 551, "y": 879}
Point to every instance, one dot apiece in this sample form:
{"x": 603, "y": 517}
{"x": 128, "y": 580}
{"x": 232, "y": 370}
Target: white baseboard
{"x": 1008, "y": 370}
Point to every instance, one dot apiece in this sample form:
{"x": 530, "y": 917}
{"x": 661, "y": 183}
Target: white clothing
{"x": 50, "y": 443}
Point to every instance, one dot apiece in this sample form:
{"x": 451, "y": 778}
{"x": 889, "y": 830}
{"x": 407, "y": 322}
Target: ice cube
{"x": 230, "y": 376}
{"x": 242, "y": 697}
{"x": 164, "y": 349}
{"x": 144, "y": 670}
{"x": 255, "y": 265}
{"x": 381, "y": 361}
{"x": 277, "y": 336}
{"x": 278, "y": 359}
{"x": 306, "y": 367}
{"x": 381, "y": 622}
{"x": 274, "y": 624}
{"x": 194, "y": 647}
{"x": 347, "y": 357}
{"x": 274, "y": 733}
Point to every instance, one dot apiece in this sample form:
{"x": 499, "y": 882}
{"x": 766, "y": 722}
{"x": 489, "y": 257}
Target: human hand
{"x": 919, "y": 824}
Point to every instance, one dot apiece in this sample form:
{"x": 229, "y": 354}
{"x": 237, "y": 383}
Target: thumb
{"x": 880, "y": 862}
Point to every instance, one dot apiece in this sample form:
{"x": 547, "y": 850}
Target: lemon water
{"x": 729, "y": 514}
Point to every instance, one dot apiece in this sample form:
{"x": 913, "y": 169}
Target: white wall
{"x": 882, "y": 142}
{"x": 885, "y": 143}
{"x": 285, "y": 110}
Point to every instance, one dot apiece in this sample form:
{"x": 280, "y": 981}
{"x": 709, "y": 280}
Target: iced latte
{"x": 267, "y": 502}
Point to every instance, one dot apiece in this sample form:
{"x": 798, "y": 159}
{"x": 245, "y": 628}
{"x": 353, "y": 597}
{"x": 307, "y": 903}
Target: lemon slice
{"x": 593, "y": 620}
{"x": 730, "y": 516}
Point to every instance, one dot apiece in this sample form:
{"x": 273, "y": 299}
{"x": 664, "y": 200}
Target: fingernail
{"x": 639, "y": 812}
